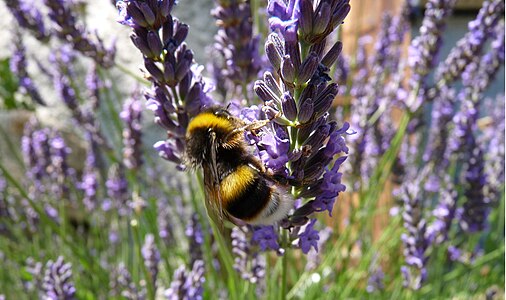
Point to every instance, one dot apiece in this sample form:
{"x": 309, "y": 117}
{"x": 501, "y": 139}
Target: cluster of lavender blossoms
{"x": 18, "y": 66}
{"x": 64, "y": 26}
{"x": 178, "y": 90}
{"x": 237, "y": 46}
{"x": 132, "y": 134}
{"x": 57, "y": 282}
{"x": 303, "y": 144}
{"x": 302, "y": 141}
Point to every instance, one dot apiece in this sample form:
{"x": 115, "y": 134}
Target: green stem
{"x": 284, "y": 266}
{"x": 138, "y": 247}
{"x": 133, "y": 75}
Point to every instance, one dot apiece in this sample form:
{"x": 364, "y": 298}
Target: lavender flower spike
{"x": 151, "y": 257}
{"x": 425, "y": 47}
{"x": 29, "y": 17}
{"x": 18, "y": 66}
{"x": 187, "y": 285}
{"x": 414, "y": 240}
{"x": 235, "y": 41}
{"x": 57, "y": 283}
{"x": 178, "y": 91}
{"x": 472, "y": 43}
{"x": 132, "y": 134}
{"x": 67, "y": 29}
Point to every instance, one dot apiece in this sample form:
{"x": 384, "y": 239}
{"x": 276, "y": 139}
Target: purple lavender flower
{"x": 89, "y": 182}
{"x": 247, "y": 261}
{"x": 195, "y": 237}
{"x": 67, "y": 29}
{"x": 266, "y": 237}
{"x": 414, "y": 240}
{"x": 117, "y": 190}
{"x": 18, "y": 67}
{"x": 475, "y": 209}
{"x": 309, "y": 238}
{"x": 187, "y": 285}
{"x": 160, "y": 39}
{"x": 236, "y": 43}
{"x": 57, "y": 283}
{"x": 151, "y": 257}
{"x": 473, "y": 42}
{"x": 375, "y": 280}
{"x": 29, "y": 17}
{"x": 425, "y": 47}
{"x": 60, "y": 171}
{"x": 444, "y": 213}
{"x": 284, "y": 16}
{"x": 494, "y": 154}
{"x": 124, "y": 285}
{"x": 132, "y": 134}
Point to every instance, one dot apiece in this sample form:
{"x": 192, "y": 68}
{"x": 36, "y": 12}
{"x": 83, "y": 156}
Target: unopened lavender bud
{"x": 330, "y": 58}
{"x": 323, "y": 105}
{"x": 318, "y": 137}
{"x": 341, "y": 12}
{"x": 154, "y": 43}
{"x": 313, "y": 172}
{"x": 263, "y": 92}
{"x": 287, "y": 69}
{"x": 184, "y": 66}
{"x": 308, "y": 68}
{"x": 148, "y": 14}
{"x": 271, "y": 83}
{"x": 181, "y": 32}
{"x": 274, "y": 50}
{"x": 167, "y": 30}
{"x": 184, "y": 85}
{"x": 137, "y": 15}
{"x": 306, "y": 110}
{"x": 306, "y": 17}
{"x": 153, "y": 70}
{"x": 166, "y": 7}
{"x": 169, "y": 74}
{"x": 322, "y": 18}
{"x": 141, "y": 45}
{"x": 289, "y": 106}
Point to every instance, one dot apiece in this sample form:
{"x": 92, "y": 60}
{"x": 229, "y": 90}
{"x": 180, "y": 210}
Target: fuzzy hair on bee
{"x": 237, "y": 185}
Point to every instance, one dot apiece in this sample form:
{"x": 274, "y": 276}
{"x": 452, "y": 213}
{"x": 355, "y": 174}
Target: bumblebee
{"x": 237, "y": 185}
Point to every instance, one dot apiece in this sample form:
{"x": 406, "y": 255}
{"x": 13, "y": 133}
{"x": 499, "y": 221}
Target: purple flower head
{"x": 284, "y": 16}
{"x": 117, "y": 190}
{"x": 375, "y": 281}
{"x": 330, "y": 188}
{"x": 237, "y": 45}
{"x": 187, "y": 285}
{"x": 247, "y": 262}
{"x": 266, "y": 237}
{"x": 68, "y": 30}
{"x": 275, "y": 149}
{"x": 151, "y": 257}
{"x": 29, "y": 17}
{"x": 415, "y": 239}
{"x": 57, "y": 282}
{"x": 132, "y": 134}
{"x": 196, "y": 238}
{"x": 309, "y": 238}
{"x": 176, "y": 81}
{"x": 18, "y": 66}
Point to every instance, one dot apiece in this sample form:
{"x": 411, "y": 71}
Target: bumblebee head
{"x": 207, "y": 129}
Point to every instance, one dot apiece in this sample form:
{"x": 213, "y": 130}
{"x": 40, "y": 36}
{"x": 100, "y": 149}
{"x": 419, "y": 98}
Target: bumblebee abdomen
{"x": 245, "y": 193}
{"x": 252, "y": 201}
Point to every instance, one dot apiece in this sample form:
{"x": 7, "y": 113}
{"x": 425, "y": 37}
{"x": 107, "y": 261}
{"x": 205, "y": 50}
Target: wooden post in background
{"x": 365, "y": 19}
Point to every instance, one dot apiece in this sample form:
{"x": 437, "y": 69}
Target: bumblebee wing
{"x": 212, "y": 180}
